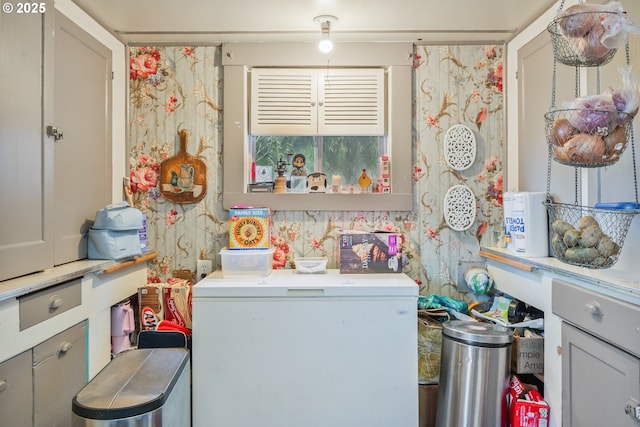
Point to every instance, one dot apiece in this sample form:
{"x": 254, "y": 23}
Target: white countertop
{"x": 619, "y": 283}
{"x": 23, "y": 285}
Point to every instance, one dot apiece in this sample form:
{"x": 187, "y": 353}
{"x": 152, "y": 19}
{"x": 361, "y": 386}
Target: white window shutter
{"x": 283, "y": 101}
{"x": 317, "y": 101}
{"x": 351, "y": 102}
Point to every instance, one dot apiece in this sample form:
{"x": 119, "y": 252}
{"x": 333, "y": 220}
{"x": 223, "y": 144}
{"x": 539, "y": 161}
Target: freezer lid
{"x": 135, "y": 382}
{"x": 289, "y": 283}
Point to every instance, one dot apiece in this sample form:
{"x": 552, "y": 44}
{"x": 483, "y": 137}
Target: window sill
{"x": 322, "y": 201}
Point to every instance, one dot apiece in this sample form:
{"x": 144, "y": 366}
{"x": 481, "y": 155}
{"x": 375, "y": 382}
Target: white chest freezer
{"x": 305, "y": 350}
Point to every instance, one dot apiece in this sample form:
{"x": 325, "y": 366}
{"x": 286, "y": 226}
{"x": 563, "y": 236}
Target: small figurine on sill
{"x": 281, "y": 180}
{"x": 364, "y": 181}
{"x": 317, "y": 182}
{"x": 298, "y": 163}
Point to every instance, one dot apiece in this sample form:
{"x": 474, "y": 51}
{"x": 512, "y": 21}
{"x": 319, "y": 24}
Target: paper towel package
{"x": 526, "y": 224}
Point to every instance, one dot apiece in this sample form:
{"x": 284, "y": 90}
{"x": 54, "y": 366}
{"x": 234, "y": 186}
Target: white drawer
{"x": 613, "y": 320}
{"x": 47, "y": 303}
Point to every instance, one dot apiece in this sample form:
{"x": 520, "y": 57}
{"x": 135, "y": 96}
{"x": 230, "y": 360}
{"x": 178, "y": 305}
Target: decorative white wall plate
{"x": 460, "y": 208}
{"x": 459, "y": 147}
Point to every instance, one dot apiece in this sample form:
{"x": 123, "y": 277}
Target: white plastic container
{"x": 246, "y": 262}
{"x": 526, "y": 224}
{"x": 311, "y": 265}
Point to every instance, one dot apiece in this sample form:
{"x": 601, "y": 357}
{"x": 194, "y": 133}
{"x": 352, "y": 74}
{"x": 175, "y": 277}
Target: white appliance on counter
{"x": 305, "y": 350}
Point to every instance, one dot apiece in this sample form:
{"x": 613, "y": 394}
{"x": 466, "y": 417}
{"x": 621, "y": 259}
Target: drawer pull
{"x": 593, "y": 308}
{"x": 55, "y": 302}
{"x": 3, "y": 385}
{"x": 64, "y": 347}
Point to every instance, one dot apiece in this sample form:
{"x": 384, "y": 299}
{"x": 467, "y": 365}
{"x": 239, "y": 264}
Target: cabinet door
{"x": 598, "y": 381}
{"x": 15, "y": 390}
{"x": 284, "y": 101}
{"x": 82, "y": 178}
{"x": 59, "y": 372}
{"x": 26, "y": 154}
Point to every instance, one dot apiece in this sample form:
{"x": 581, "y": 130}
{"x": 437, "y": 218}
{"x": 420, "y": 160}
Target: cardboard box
{"x": 526, "y": 413}
{"x": 364, "y": 252}
{"x": 527, "y": 407}
{"x": 177, "y": 301}
{"x": 150, "y": 306}
{"x": 427, "y": 404}
{"x": 249, "y": 228}
{"x": 527, "y": 355}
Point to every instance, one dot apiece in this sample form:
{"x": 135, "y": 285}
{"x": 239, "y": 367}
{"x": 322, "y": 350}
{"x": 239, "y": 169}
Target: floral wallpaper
{"x": 177, "y": 87}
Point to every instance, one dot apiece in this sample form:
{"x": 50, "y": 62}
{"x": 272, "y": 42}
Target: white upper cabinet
{"x": 306, "y": 101}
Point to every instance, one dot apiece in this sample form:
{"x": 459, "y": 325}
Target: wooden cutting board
{"x": 183, "y": 177}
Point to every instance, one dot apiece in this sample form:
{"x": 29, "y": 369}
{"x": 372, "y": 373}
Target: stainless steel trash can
{"x": 474, "y": 374}
{"x": 141, "y": 388}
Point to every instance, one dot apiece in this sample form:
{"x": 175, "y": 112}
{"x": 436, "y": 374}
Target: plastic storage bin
{"x": 246, "y": 263}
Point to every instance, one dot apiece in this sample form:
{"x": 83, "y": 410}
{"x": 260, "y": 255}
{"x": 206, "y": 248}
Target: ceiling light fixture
{"x": 325, "y": 45}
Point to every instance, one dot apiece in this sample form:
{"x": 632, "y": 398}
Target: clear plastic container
{"x": 246, "y": 262}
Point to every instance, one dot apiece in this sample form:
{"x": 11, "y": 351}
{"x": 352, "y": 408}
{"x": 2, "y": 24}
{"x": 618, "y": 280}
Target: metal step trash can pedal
{"x": 474, "y": 374}
{"x": 142, "y": 388}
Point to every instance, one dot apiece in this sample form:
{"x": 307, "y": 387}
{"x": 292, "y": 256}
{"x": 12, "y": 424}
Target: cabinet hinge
{"x": 55, "y": 133}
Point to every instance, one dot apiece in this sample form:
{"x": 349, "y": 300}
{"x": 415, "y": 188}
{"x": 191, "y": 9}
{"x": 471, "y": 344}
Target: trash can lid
{"x": 135, "y": 382}
{"x": 478, "y": 332}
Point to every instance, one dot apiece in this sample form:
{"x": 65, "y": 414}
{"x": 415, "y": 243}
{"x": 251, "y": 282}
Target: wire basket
{"x": 429, "y": 348}
{"x": 588, "y": 237}
{"x": 576, "y": 39}
{"x": 587, "y": 138}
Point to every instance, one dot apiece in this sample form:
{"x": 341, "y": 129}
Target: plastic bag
{"x": 440, "y": 301}
{"x": 478, "y": 280}
{"x": 593, "y": 113}
{"x": 603, "y": 113}
{"x": 627, "y": 99}
{"x": 578, "y": 20}
{"x": 617, "y": 26}
{"x": 595, "y": 29}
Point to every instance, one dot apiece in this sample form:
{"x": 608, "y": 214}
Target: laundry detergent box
{"x": 249, "y": 228}
{"x": 369, "y": 252}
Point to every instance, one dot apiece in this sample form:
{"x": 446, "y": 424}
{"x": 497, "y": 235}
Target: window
{"x": 327, "y": 130}
{"x": 330, "y": 116}
{"x": 331, "y": 155}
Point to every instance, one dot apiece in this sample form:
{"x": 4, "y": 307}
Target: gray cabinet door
{"x": 59, "y": 372}
{"x": 16, "y": 402}
{"x": 82, "y": 178}
{"x": 52, "y": 73}
{"x": 598, "y": 381}
{"x": 26, "y": 155}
